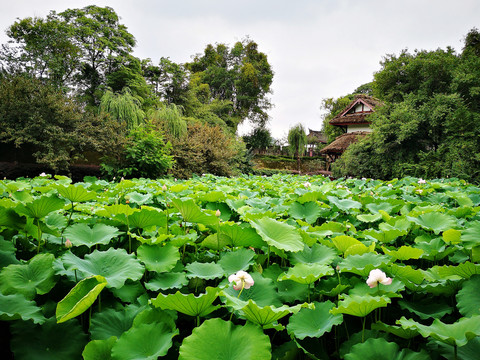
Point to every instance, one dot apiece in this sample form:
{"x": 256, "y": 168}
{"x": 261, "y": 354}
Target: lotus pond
{"x": 239, "y": 268}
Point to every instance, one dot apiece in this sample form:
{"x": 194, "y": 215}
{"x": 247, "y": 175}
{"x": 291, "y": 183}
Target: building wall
{"x": 360, "y": 127}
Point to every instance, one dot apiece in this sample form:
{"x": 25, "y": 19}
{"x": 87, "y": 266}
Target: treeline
{"x": 430, "y": 124}
{"x": 70, "y": 84}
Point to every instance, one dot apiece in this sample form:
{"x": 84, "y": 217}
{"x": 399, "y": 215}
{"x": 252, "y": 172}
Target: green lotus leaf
{"x": 317, "y": 254}
{"x": 263, "y": 292}
{"x": 360, "y": 305}
{"x": 375, "y": 208}
{"x": 212, "y": 196}
{"x": 170, "y": 280}
{"x": 111, "y": 322}
{"x": 188, "y": 304}
{"x": 156, "y": 316}
{"x": 225, "y": 212}
{"x": 35, "y": 277}
{"x": 469, "y": 236}
{"x": 7, "y": 253}
{"x": 179, "y": 240}
{"x": 359, "y": 249}
{"x": 217, "y": 241}
{"x": 192, "y": 213}
{"x": 435, "y": 221}
{"x": 242, "y": 235}
{"x": 395, "y": 330}
{"x": 374, "y": 349}
{"x": 76, "y": 193}
{"x": 393, "y": 290}
{"x": 9, "y": 218}
{"x": 145, "y": 341}
{"x": 139, "y": 199}
{"x": 40, "y": 207}
{"x": 291, "y": 291}
{"x": 403, "y": 253}
{"x": 468, "y": 298}
{"x": 314, "y": 322}
{"x": 434, "y": 249}
{"x": 82, "y": 234}
{"x": 80, "y": 298}
{"x": 50, "y": 341}
{"x": 22, "y": 196}
{"x": 310, "y": 211}
{"x": 384, "y": 236}
{"x": 461, "y": 198}
{"x": 469, "y": 351}
{"x": 99, "y": 349}
{"x": 465, "y": 270}
{"x": 344, "y": 204}
{"x": 219, "y": 339}
{"x": 16, "y": 306}
{"x": 452, "y": 236}
{"x": 279, "y": 235}
{"x": 306, "y": 273}
{"x": 158, "y": 258}
{"x": 233, "y": 261}
{"x": 343, "y": 242}
{"x": 268, "y": 314}
{"x": 363, "y": 264}
{"x": 130, "y": 292}
{"x": 458, "y": 333}
{"x": 121, "y": 210}
{"x": 114, "y": 264}
{"x": 406, "y": 274}
{"x": 427, "y": 309}
{"x": 56, "y": 221}
{"x": 369, "y": 218}
{"x": 146, "y": 217}
{"x": 204, "y": 270}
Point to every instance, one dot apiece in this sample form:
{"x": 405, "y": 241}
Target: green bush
{"x": 145, "y": 154}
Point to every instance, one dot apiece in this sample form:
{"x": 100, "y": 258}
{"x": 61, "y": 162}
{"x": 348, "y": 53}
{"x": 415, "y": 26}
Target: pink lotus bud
{"x": 68, "y": 244}
{"x": 218, "y": 213}
{"x": 164, "y": 187}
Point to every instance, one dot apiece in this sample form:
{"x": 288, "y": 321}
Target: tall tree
{"x": 240, "y": 75}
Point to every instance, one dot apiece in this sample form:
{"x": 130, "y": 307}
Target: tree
{"x": 333, "y": 106}
{"x": 41, "y": 118}
{"x": 123, "y": 107}
{"x": 258, "y": 138}
{"x": 171, "y": 120}
{"x": 297, "y": 139}
{"x": 240, "y": 75}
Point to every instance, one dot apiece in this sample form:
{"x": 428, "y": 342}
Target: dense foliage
{"x": 85, "y": 58}
{"x": 148, "y": 269}
{"x": 430, "y": 126}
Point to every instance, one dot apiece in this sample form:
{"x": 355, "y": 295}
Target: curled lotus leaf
{"x": 361, "y": 306}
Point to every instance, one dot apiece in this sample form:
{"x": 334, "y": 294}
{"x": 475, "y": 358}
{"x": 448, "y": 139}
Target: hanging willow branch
{"x": 124, "y": 107}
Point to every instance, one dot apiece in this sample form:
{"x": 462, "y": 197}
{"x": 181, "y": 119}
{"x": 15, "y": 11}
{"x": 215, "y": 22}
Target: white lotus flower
{"x": 307, "y": 184}
{"x": 241, "y": 280}
{"x": 378, "y": 276}
{"x": 421, "y": 181}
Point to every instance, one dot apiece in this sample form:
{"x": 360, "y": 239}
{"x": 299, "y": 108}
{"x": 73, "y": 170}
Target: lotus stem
{"x": 363, "y": 329}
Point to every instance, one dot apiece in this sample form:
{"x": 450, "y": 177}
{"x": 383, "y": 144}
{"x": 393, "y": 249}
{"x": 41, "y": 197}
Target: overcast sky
{"x": 317, "y": 48}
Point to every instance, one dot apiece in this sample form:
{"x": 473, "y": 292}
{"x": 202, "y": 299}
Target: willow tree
{"x": 297, "y": 139}
{"x": 123, "y": 107}
{"x": 171, "y": 119}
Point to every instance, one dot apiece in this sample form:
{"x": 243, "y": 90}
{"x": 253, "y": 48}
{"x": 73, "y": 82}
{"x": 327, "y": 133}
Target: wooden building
{"x": 353, "y": 120}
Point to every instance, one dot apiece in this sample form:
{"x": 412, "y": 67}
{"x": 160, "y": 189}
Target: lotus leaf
{"x": 192, "y": 213}
{"x": 395, "y": 330}
{"x": 158, "y": 258}
{"x": 219, "y": 339}
{"x": 344, "y": 204}
{"x": 427, "y": 309}
{"x": 99, "y": 349}
{"x": 188, "y": 304}
{"x": 456, "y": 334}
{"x": 236, "y": 260}
{"x": 76, "y": 193}
{"x": 468, "y": 298}
{"x": 310, "y": 211}
{"x": 403, "y": 253}
{"x": 16, "y": 306}
{"x": 363, "y": 264}
{"x": 143, "y": 218}
{"x": 314, "y": 322}
{"x": 82, "y": 234}
{"x": 114, "y": 264}
{"x": 343, "y": 242}
{"x": 145, "y": 341}
{"x": 360, "y": 305}
{"x": 111, "y": 322}
{"x": 170, "y": 280}
{"x": 279, "y": 235}
{"x": 80, "y": 298}
{"x": 306, "y": 273}
{"x": 374, "y": 349}
{"x": 40, "y": 207}
{"x": 204, "y": 270}
{"x": 317, "y": 254}
{"x": 35, "y": 277}
{"x": 435, "y": 221}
